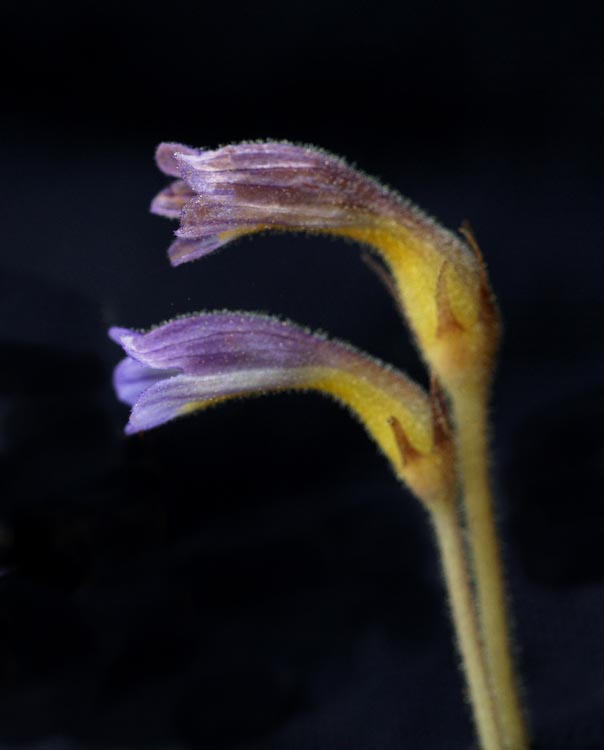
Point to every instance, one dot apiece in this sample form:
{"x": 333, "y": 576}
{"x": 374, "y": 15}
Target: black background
{"x": 254, "y": 578}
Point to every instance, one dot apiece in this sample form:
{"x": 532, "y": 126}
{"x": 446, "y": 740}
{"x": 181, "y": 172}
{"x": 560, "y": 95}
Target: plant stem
{"x": 470, "y": 417}
{"x": 457, "y": 578}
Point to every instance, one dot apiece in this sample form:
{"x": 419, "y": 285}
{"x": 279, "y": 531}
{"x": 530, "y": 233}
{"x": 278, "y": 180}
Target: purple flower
{"x": 192, "y": 363}
{"x": 439, "y": 280}
{"x": 245, "y": 188}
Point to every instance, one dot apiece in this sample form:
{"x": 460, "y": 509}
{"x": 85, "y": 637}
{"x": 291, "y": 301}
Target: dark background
{"x": 254, "y": 578}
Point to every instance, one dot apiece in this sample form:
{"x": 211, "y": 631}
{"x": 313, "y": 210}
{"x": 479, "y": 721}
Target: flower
{"x": 242, "y": 189}
{"x": 192, "y": 363}
{"x": 441, "y": 284}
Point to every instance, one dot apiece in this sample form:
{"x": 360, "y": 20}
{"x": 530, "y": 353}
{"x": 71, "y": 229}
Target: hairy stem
{"x": 470, "y": 417}
{"x": 459, "y": 587}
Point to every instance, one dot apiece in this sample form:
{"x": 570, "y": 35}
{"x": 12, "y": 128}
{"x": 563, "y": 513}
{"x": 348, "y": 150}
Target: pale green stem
{"x": 463, "y": 614}
{"x": 470, "y": 416}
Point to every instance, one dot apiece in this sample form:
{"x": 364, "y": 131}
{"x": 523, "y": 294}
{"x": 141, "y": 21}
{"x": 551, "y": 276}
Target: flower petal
{"x": 169, "y": 398}
{"x": 171, "y": 201}
{"x": 183, "y": 251}
{"x": 253, "y": 186}
{"x": 131, "y": 379}
{"x": 195, "y": 362}
{"x": 222, "y": 355}
{"x": 250, "y": 187}
{"x": 165, "y": 157}
{"x": 221, "y": 341}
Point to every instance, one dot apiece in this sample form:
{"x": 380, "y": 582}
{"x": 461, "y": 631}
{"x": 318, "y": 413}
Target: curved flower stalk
{"x": 195, "y": 362}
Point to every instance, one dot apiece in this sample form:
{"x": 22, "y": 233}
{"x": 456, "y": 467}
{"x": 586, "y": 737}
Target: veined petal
{"x": 218, "y": 356}
{"x": 251, "y": 187}
{"x": 219, "y": 341}
{"x": 176, "y": 396}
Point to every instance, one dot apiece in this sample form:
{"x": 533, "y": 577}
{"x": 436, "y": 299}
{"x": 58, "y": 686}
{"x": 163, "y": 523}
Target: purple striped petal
{"x": 224, "y": 342}
{"x": 439, "y": 280}
{"x": 191, "y": 362}
{"x": 245, "y": 188}
{"x": 173, "y": 397}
